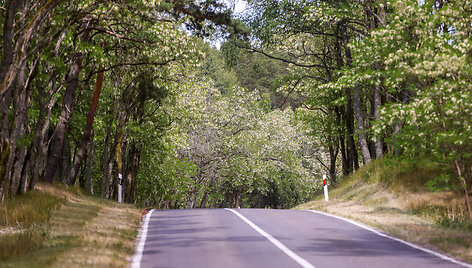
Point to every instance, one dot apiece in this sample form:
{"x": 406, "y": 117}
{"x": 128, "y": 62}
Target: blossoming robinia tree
{"x": 239, "y": 154}
{"x": 398, "y": 70}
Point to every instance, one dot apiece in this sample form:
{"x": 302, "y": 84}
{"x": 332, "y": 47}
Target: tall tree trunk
{"x": 90, "y": 152}
{"x": 107, "y": 163}
{"x": 68, "y": 105}
{"x": 88, "y": 129}
{"x": 360, "y": 126}
{"x": 40, "y": 145}
{"x": 459, "y": 169}
{"x": 333, "y": 155}
{"x": 344, "y": 161}
{"x": 23, "y": 42}
{"x": 349, "y": 113}
{"x": 17, "y": 154}
{"x": 119, "y": 158}
{"x": 6, "y": 94}
{"x": 21, "y": 102}
{"x": 133, "y": 175}
{"x": 353, "y": 161}
{"x": 64, "y": 162}
{"x": 376, "y": 109}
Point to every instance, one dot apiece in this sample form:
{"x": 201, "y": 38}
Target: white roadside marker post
{"x": 325, "y": 188}
{"x": 120, "y": 188}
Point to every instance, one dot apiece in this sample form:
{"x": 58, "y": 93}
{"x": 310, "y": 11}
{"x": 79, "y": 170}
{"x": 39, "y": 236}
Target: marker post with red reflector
{"x": 325, "y": 188}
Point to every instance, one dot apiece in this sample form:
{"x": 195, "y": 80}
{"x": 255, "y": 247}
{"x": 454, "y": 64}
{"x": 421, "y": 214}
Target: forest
{"x": 199, "y": 106}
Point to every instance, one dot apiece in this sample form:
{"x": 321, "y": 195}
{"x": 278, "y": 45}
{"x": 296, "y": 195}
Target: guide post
{"x": 120, "y": 188}
{"x": 325, "y": 188}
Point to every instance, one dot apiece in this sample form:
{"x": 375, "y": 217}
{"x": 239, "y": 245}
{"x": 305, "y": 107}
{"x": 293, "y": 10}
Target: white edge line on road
{"x": 142, "y": 241}
{"x": 437, "y": 254}
{"x": 304, "y": 263}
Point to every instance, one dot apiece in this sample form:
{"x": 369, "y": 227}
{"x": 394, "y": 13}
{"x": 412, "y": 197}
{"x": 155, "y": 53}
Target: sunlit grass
{"x": 19, "y": 243}
{"x": 84, "y": 231}
{"x": 31, "y": 208}
{"x": 391, "y": 194}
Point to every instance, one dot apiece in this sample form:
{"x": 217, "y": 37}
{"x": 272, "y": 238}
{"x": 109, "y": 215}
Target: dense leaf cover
{"x": 316, "y": 87}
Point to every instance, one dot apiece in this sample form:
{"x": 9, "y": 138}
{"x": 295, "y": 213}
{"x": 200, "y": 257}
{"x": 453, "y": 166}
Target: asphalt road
{"x": 271, "y": 238}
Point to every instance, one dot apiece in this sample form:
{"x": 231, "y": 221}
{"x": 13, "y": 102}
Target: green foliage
{"x": 226, "y": 147}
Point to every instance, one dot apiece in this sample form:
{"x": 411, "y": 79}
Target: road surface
{"x": 271, "y": 238}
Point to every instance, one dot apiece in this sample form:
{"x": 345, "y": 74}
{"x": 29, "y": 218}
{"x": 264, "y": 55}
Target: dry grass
{"x": 84, "y": 232}
{"x": 434, "y": 220}
{"x": 31, "y": 208}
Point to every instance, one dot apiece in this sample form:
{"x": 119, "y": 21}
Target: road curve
{"x": 270, "y": 238}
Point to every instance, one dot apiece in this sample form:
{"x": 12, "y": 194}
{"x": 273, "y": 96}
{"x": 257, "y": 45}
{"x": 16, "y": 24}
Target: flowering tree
{"x": 241, "y": 155}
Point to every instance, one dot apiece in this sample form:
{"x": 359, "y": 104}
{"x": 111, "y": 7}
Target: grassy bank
{"x": 392, "y": 196}
{"x": 55, "y": 226}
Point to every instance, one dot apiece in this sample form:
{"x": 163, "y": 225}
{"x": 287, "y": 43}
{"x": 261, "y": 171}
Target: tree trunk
{"x": 107, "y": 163}
{"x": 25, "y": 173}
{"x": 23, "y": 42}
{"x": 135, "y": 162}
{"x": 459, "y": 169}
{"x": 191, "y": 199}
{"x": 376, "y": 109}
{"x": 353, "y": 161}
{"x": 68, "y": 105}
{"x": 88, "y": 129}
{"x": 17, "y": 154}
{"x": 64, "y": 162}
{"x": 90, "y": 152}
{"x": 11, "y": 8}
{"x": 349, "y": 113}
{"x": 5, "y": 152}
{"x": 237, "y": 199}
{"x": 21, "y": 126}
{"x": 333, "y": 155}
{"x": 360, "y": 126}
{"x": 40, "y": 145}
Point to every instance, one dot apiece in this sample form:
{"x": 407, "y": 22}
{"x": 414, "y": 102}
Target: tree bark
{"x": 20, "y": 128}
{"x": 17, "y": 154}
{"x": 237, "y": 199}
{"x": 88, "y": 129}
{"x": 68, "y": 106}
{"x": 349, "y": 113}
{"x": 135, "y": 158}
{"x": 40, "y": 146}
{"x": 333, "y": 154}
{"x": 6, "y": 95}
{"x": 360, "y": 126}
{"x": 23, "y": 43}
{"x": 353, "y": 161}
{"x": 107, "y": 164}
{"x": 459, "y": 169}
{"x": 376, "y": 109}
{"x": 90, "y": 151}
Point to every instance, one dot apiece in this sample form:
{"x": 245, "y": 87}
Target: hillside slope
{"x": 76, "y": 230}
{"x": 396, "y": 201}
